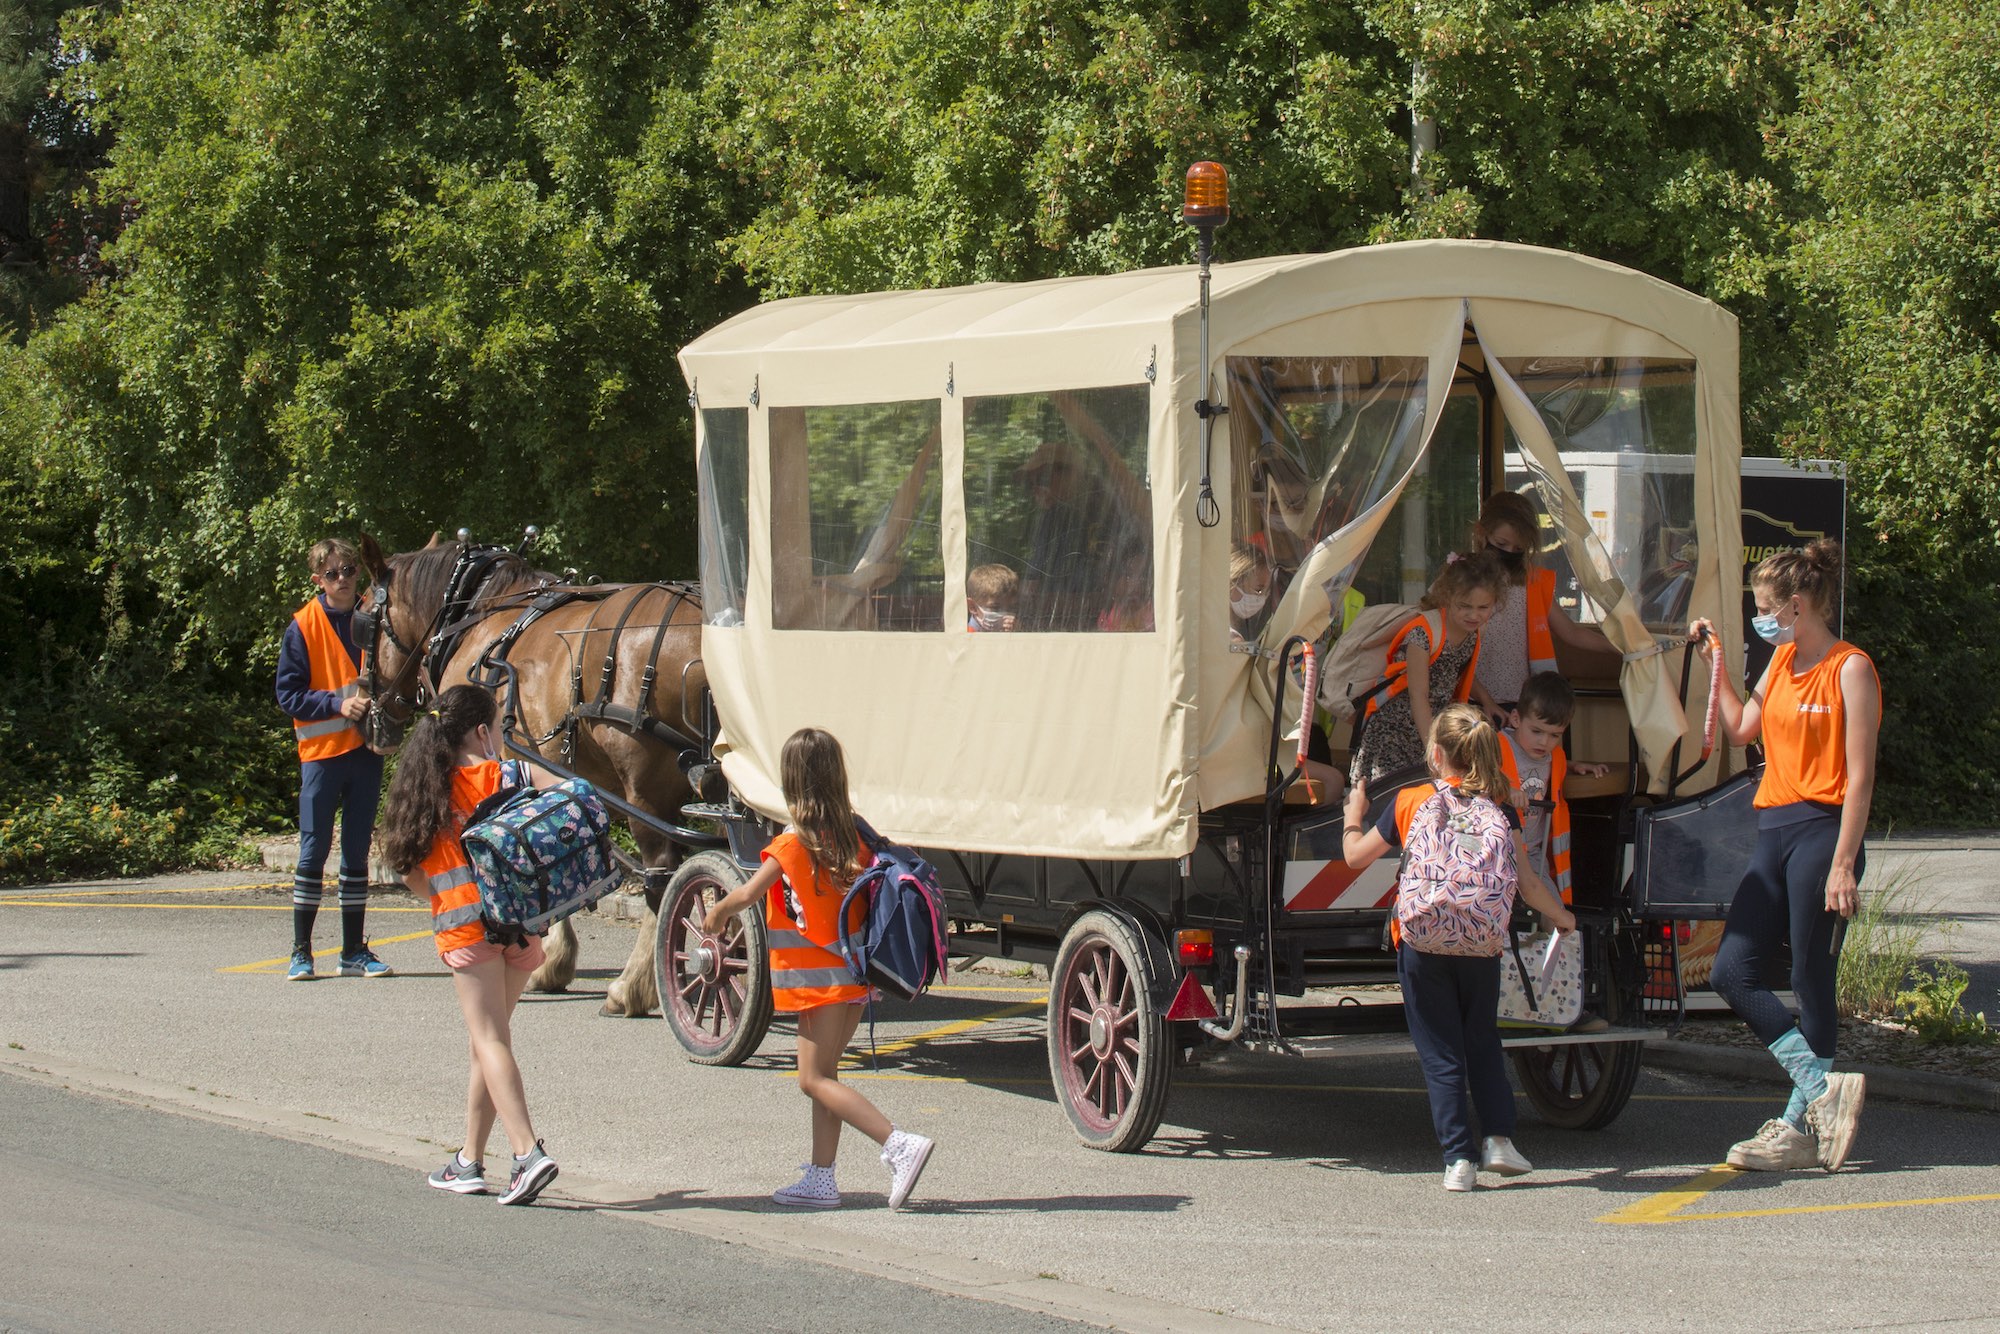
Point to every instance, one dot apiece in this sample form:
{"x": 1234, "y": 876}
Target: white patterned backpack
{"x": 1455, "y": 892}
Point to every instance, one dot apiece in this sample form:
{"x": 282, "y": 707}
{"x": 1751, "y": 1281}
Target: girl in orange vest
{"x": 446, "y": 768}
{"x": 1817, "y": 709}
{"x": 1431, "y": 663}
{"x": 1521, "y": 638}
{"x": 806, "y": 872}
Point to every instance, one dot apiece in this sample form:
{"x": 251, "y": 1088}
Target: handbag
{"x": 1551, "y": 996}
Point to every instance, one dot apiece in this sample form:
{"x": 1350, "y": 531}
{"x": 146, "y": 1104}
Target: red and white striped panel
{"x": 1323, "y": 886}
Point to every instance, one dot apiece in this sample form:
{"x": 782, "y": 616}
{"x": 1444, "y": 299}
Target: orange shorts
{"x": 526, "y": 957}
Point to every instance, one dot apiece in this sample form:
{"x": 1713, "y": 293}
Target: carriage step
{"x": 1399, "y": 1044}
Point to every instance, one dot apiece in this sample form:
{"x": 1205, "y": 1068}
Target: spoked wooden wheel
{"x": 1108, "y": 1050}
{"x": 1582, "y": 1085}
{"x": 715, "y": 990}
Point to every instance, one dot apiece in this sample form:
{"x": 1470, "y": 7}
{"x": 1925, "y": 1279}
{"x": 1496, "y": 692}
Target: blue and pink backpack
{"x": 898, "y": 946}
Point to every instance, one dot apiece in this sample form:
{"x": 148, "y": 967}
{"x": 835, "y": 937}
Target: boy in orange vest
{"x": 1531, "y": 753}
{"x": 319, "y": 670}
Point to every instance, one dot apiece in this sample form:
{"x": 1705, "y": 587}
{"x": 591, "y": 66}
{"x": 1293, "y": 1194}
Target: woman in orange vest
{"x": 1817, "y": 710}
{"x": 445, "y": 769}
{"x": 806, "y": 872}
{"x": 1521, "y": 638}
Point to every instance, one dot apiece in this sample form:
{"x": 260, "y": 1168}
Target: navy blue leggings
{"x": 1453, "y": 1007}
{"x": 1783, "y": 897}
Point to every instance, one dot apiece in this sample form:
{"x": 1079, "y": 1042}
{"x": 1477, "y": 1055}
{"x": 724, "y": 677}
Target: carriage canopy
{"x": 864, "y": 460}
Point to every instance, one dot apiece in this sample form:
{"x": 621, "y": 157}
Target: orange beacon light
{"x": 1205, "y": 202}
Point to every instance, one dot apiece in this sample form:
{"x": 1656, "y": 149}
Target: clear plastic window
{"x": 855, "y": 505}
{"x": 1626, "y": 429}
{"x": 1314, "y": 442}
{"x": 724, "y": 481}
{"x": 1435, "y": 514}
{"x": 1059, "y": 510}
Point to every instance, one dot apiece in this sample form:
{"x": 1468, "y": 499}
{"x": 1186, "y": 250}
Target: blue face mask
{"x": 1770, "y": 631}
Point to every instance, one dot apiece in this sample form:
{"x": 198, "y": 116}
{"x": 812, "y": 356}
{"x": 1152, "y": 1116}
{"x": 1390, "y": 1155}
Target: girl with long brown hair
{"x": 446, "y": 768}
{"x": 806, "y": 872}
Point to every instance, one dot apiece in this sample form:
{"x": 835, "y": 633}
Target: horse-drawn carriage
{"x": 1110, "y": 789}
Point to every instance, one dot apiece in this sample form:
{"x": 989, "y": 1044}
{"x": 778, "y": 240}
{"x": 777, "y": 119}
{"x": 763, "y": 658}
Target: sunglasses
{"x": 337, "y": 572}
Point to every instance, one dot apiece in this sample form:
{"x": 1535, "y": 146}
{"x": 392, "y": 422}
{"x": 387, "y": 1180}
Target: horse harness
{"x": 495, "y": 672}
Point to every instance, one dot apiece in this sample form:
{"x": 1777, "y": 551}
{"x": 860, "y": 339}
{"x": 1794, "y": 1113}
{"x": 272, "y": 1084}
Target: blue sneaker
{"x": 364, "y": 964}
{"x": 302, "y": 967}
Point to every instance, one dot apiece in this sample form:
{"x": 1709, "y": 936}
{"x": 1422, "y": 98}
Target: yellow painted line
{"x": 156, "y": 889}
{"x": 1661, "y": 1207}
{"x": 272, "y": 965}
{"x": 1832, "y": 1208}
{"x": 1005, "y": 991}
{"x": 961, "y": 1026}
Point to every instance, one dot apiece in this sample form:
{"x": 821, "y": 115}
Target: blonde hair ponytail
{"x": 1471, "y": 749}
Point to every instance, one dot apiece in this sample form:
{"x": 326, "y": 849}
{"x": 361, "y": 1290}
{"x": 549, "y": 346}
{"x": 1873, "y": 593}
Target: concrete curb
{"x": 788, "y": 1237}
{"x": 1884, "y": 1081}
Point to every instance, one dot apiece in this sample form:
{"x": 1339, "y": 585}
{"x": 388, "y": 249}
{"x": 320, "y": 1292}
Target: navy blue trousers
{"x": 350, "y": 785}
{"x": 1783, "y": 897}
{"x": 1453, "y": 1006}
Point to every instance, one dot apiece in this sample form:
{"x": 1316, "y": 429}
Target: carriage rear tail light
{"x": 1195, "y": 948}
{"x": 1205, "y": 201}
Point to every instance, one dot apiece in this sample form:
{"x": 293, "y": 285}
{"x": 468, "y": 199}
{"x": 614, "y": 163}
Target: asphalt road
{"x": 1294, "y": 1194}
{"x": 120, "y": 1218}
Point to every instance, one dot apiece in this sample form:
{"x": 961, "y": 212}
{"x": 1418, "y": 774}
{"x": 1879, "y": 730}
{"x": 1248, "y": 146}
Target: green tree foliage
{"x": 907, "y": 144}
{"x": 393, "y": 267}
{"x": 53, "y": 224}
{"x": 400, "y": 266}
{"x": 1897, "y": 262}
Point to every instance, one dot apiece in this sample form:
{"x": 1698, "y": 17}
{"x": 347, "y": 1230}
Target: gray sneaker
{"x": 1776, "y": 1147}
{"x": 460, "y": 1178}
{"x": 532, "y": 1171}
{"x": 1835, "y": 1115}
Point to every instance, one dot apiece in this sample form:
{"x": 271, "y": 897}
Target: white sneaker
{"x": 1835, "y": 1115}
{"x": 1460, "y": 1175}
{"x": 1776, "y": 1147}
{"x": 814, "y": 1190}
{"x": 906, "y": 1155}
{"x": 1498, "y": 1154}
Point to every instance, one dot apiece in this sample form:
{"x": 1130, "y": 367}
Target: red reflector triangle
{"x": 1191, "y": 1001}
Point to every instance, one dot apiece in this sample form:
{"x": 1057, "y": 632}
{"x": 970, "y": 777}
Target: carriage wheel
{"x": 1581, "y": 1086}
{"x": 1109, "y": 1052}
{"x": 715, "y": 990}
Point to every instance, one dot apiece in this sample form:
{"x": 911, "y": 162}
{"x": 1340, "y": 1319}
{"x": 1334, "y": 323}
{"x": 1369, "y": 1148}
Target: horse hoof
{"x": 611, "y": 1010}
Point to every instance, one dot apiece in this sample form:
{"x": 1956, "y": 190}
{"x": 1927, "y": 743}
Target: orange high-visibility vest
{"x": 1805, "y": 729}
{"x": 455, "y": 916}
{"x": 331, "y": 670}
{"x": 806, "y": 973}
{"x": 1541, "y": 596}
{"x": 1397, "y": 673}
{"x": 1558, "y": 809}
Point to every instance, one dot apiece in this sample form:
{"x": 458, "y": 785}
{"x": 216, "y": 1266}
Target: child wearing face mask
{"x": 1432, "y": 661}
{"x": 446, "y": 768}
{"x": 992, "y": 594}
{"x": 1249, "y": 589}
{"x": 1521, "y": 638}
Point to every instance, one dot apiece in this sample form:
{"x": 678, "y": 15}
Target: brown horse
{"x": 417, "y": 646}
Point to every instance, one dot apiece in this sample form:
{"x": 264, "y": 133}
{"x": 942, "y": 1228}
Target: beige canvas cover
{"x": 1109, "y": 745}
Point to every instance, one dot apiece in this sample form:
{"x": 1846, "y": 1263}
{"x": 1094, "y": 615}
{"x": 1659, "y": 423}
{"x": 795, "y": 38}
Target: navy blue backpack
{"x": 899, "y": 945}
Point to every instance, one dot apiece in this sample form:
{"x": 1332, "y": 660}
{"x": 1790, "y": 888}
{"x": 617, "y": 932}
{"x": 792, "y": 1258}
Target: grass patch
{"x": 1885, "y": 942}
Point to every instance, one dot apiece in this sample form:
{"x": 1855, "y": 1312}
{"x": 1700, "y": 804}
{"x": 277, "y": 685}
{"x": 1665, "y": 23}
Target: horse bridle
{"x": 382, "y": 725}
